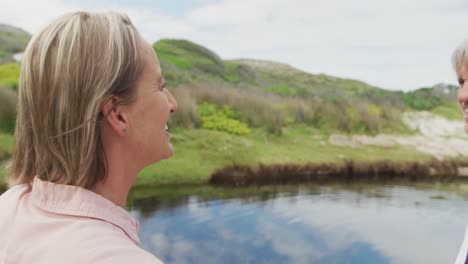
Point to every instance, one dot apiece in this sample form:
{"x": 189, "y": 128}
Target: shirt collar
{"x": 77, "y": 201}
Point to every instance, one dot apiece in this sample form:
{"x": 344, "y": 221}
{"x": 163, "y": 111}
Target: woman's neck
{"x": 119, "y": 178}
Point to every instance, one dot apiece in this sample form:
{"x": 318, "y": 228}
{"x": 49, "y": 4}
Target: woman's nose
{"x": 463, "y": 93}
{"x": 172, "y": 102}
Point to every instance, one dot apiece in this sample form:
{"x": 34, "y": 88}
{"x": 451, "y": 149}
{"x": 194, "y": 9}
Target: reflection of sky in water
{"x": 398, "y": 225}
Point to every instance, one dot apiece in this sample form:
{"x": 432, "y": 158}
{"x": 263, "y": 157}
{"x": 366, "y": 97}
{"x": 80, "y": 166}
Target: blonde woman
{"x": 92, "y": 112}
{"x": 460, "y": 65}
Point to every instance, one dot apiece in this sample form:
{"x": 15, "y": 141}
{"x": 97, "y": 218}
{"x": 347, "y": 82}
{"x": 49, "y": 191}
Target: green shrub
{"x": 7, "y": 110}
{"x": 221, "y": 123}
{"x": 9, "y": 74}
{"x": 207, "y": 109}
{"x": 222, "y": 118}
{"x": 421, "y": 99}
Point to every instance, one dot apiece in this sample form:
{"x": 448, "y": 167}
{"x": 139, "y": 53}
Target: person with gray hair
{"x": 460, "y": 66}
{"x": 92, "y": 113}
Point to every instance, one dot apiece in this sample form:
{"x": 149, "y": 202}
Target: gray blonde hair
{"x": 69, "y": 70}
{"x": 460, "y": 56}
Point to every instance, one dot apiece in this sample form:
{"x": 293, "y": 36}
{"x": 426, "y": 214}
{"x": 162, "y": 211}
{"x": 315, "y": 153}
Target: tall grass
{"x": 274, "y": 112}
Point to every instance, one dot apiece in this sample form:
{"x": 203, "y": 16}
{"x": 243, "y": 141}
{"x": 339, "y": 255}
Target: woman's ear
{"x": 114, "y": 116}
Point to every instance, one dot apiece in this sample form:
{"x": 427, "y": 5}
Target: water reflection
{"x": 315, "y": 224}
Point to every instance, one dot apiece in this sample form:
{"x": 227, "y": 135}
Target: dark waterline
{"x": 359, "y": 223}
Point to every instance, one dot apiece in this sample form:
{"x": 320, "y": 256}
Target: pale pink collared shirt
{"x": 48, "y": 223}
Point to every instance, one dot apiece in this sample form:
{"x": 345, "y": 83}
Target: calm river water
{"x": 359, "y": 223}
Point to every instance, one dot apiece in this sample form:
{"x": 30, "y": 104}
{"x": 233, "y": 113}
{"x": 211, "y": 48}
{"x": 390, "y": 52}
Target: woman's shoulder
{"x": 13, "y": 194}
{"x": 106, "y": 245}
{"x": 128, "y": 254}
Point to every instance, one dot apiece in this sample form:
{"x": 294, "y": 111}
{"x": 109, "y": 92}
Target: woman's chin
{"x": 169, "y": 152}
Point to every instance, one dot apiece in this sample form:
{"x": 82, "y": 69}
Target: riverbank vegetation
{"x": 348, "y": 171}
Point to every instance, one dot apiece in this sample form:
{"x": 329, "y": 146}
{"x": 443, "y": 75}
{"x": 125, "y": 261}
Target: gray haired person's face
{"x": 462, "y": 97}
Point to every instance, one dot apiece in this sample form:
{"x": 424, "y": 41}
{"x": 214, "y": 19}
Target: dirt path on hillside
{"x": 436, "y": 136}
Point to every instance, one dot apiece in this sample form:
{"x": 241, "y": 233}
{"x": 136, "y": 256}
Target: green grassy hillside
{"x": 274, "y": 95}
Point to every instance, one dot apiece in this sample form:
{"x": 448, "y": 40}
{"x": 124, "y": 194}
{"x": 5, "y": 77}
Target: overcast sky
{"x": 398, "y": 44}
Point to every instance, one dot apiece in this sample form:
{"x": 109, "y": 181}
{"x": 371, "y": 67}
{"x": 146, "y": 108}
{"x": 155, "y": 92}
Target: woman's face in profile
{"x": 149, "y": 114}
{"x": 463, "y": 92}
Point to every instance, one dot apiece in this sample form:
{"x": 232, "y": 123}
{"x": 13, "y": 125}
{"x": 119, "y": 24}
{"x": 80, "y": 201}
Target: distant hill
{"x": 12, "y": 40}
{"x": 186, "y": 62}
